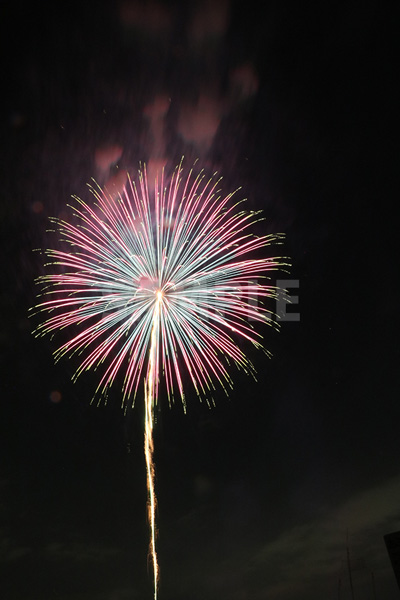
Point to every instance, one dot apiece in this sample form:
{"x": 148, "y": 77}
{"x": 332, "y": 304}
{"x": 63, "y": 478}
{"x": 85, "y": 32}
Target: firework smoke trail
{"x": 152, "y": 377}
{"x": 158, "y": 285}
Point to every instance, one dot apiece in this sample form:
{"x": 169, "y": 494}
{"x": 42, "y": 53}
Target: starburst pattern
{"x": 182, "y": 252}
{"x": 162, "y": 280}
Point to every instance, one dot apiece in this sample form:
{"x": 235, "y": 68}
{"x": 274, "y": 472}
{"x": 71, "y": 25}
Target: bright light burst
{"x": 186, "y": 254}
{"x": 162, "y": 283}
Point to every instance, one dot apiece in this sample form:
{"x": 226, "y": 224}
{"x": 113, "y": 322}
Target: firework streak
{"x": 158, "y": 284}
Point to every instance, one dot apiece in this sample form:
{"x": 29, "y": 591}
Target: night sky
{"x": 259, "y": 495}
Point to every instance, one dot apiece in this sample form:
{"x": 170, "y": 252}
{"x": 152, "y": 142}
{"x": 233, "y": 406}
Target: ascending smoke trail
{"x": 150, "y": 383}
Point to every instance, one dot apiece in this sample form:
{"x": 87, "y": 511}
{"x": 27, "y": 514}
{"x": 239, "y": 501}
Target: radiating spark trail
{"x": 150, "y": 382}
{"x": 161, "y": 284}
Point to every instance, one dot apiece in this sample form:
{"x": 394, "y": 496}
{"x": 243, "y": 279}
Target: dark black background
{"x": 256, "y": 494}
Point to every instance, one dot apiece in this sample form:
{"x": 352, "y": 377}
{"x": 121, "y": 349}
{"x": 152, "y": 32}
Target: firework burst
{"x": 155, "y": 285}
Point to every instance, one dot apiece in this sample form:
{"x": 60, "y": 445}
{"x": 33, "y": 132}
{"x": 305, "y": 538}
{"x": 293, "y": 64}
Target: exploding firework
{"x": 159, "y": 284}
